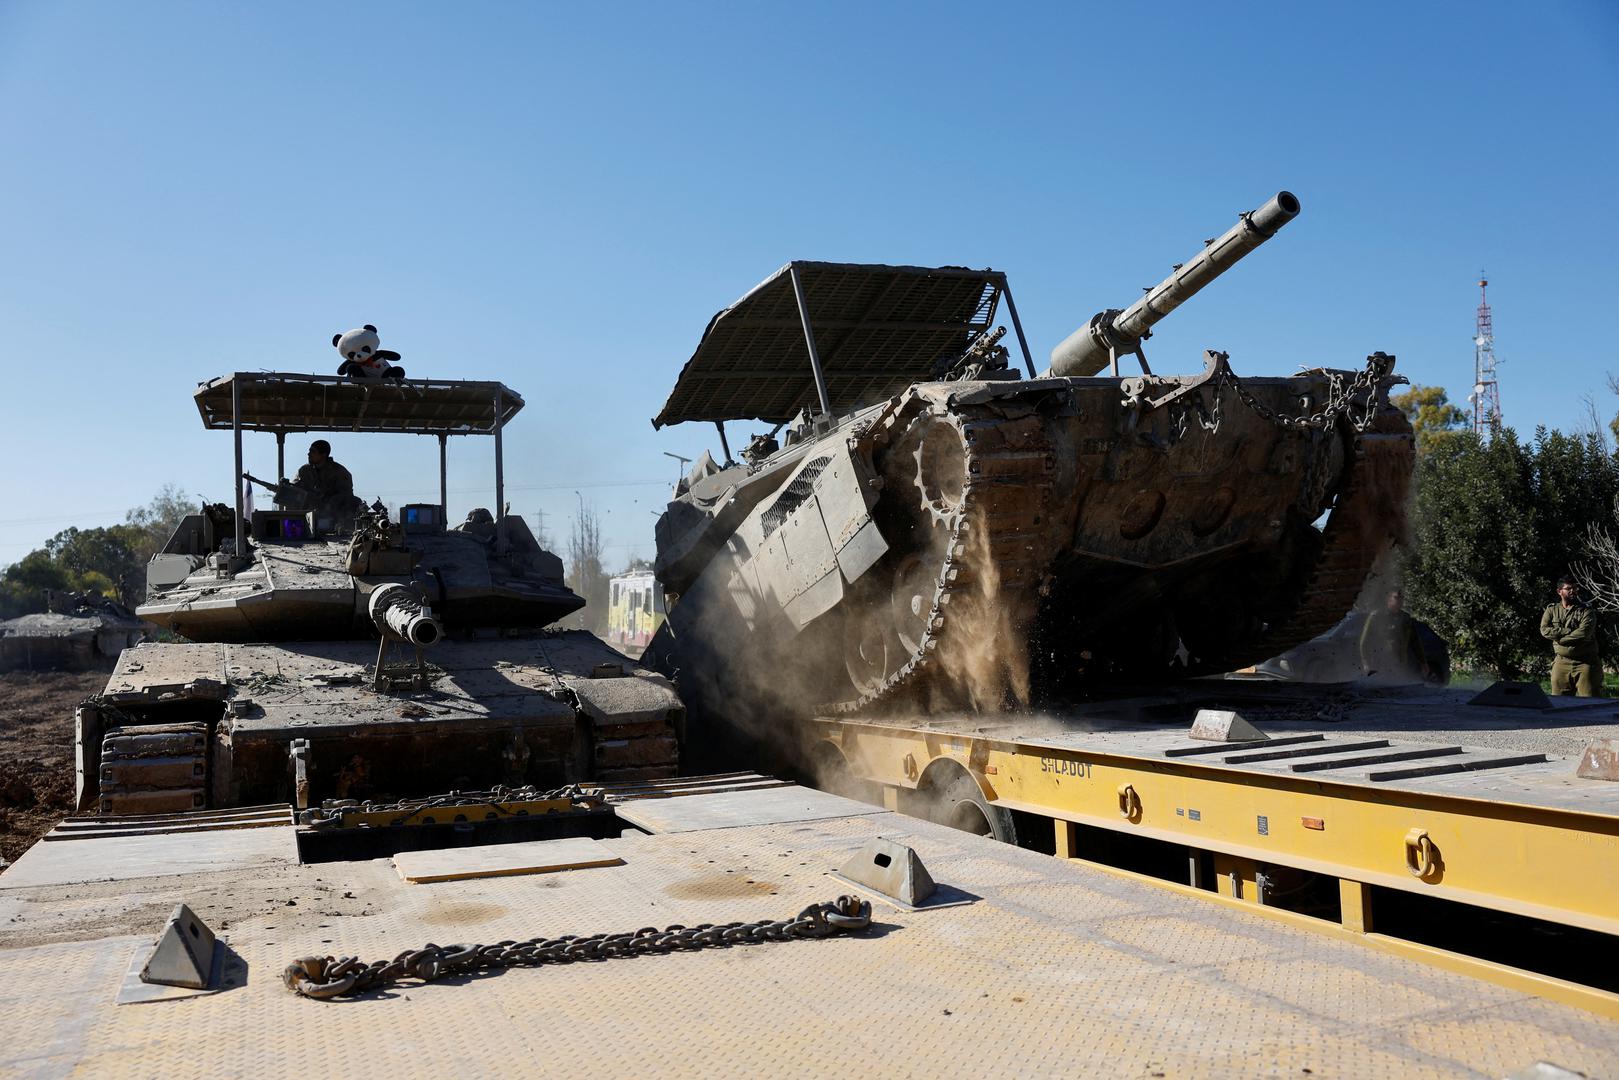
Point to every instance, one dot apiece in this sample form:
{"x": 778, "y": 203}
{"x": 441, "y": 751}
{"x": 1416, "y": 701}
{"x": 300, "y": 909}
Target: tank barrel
{"x": 399, "y": 614}
{"x": 1109, "y": 333}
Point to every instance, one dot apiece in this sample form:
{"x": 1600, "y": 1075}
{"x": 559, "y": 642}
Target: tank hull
{"x": 194, "y": 726}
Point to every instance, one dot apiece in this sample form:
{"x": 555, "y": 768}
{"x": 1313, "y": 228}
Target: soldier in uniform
{"x": 1571, "y": 627}
{"x": 322, "y": 485}
{"x": 1388, "y": 642}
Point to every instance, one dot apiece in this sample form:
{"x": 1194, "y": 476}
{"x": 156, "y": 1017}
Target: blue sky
{"x": 560, "y": 196}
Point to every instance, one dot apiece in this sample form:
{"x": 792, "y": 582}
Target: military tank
{"x": 77, "y": 631}
{"x": 926, "y": 528}
{"x": 333, "y": 652}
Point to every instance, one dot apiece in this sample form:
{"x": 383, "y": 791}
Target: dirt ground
{"x": 36, "y": 751}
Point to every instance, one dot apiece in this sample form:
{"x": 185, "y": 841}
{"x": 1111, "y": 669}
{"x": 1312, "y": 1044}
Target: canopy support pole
{"x": 281, "y": 455}
{"x": 500, "y": 459}
{"x": 236, "y": 482}
{"x": 809, "y": 340}
{"x": 725, "y": 447}
{"x": 443, "y": 480}
{"x": 1017, "y": 324}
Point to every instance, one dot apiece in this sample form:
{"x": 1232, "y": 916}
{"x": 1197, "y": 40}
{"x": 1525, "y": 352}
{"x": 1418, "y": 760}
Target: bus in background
{"x": 635, "y": 611}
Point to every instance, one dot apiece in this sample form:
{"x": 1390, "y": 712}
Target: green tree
{"x": 90, "y": 557}
{"x": 108, "y": 560}
{"x": 1473, "y": 572}
{"x": 1493, "y": 525}
{"x": 158, "y": 519}
{"x": 24, "y": 583}
{"x": 1432, "y": 416}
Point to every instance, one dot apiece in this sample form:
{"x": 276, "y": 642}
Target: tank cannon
{"x": 1114, "y": 333}
{"x": 400, "y": 615}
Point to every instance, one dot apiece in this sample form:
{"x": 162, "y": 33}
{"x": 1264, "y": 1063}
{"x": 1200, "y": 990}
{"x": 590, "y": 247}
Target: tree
{"x": 1432, "y": 415}
{"x": 90, "y": 557}
{"x": 107, "y": 561}
{"x": 25, "y": 582}
{"x": 1494, "y": 524}
{"x": 158, "y": 519}
{"x": 1472, "y": 572}
{"x": 585, "y": 574}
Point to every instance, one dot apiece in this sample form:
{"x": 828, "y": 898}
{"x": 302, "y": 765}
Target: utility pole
{"x": 1486, "y": 395}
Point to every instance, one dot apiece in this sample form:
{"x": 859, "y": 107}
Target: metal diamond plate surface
{"x": 1058, "y": 970}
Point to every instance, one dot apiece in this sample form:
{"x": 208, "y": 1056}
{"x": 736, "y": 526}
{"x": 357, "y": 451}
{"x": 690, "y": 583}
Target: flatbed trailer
{"x": 1048, "y": 967}
{"x": 1466, "y": 825}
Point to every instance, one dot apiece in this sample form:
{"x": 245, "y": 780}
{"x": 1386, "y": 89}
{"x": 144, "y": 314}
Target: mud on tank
{"x": 332, "y": 653}
{"x": 925, "y": 529}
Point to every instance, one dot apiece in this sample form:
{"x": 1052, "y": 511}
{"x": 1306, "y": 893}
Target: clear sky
{"x": 560, "y": 196}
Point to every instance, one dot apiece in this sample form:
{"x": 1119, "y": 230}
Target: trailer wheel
{"x": 952, "y": 797}
{"x": 830, "y": 772}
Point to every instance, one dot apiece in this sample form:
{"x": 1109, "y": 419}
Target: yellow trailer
{"x": 1496, "y": 857}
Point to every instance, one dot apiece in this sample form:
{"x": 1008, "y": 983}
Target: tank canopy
{"x": 876, "y": 329}
{"x": 280, "y": 401}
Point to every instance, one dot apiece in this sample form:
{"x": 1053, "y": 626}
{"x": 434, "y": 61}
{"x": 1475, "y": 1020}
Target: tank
{"x": 925, "y": 528}
{"x": 329, "y": 650}
{"x": 77, "y": 632}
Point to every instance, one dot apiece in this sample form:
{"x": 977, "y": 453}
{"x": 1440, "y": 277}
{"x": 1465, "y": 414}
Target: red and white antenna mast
{"x": 1486, "y": 395}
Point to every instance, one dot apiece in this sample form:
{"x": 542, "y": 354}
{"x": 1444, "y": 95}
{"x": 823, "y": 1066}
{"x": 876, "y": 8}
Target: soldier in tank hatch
{"x": 323, "y": 485}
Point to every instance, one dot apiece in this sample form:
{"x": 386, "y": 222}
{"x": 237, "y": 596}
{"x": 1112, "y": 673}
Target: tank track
{"x": 153, "y": 769}
{"x": 999, "y": 545}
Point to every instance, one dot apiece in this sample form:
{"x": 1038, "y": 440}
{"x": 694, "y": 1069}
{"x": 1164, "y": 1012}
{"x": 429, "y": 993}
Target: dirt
{"x": 36, "y": 751}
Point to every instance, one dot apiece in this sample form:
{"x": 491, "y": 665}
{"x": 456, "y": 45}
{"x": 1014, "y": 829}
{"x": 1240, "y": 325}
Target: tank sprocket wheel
{"x": 929, "y": 458}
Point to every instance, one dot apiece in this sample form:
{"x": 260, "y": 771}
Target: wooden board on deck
{"x": 500, "y": 860}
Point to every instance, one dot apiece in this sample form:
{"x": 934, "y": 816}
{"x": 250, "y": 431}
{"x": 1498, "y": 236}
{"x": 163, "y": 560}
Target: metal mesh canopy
{"x": 877, "y": 329}
{"x": 277, "y": 401}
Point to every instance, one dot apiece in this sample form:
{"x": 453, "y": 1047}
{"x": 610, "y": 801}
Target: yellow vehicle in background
{"x": 635, "y": 611}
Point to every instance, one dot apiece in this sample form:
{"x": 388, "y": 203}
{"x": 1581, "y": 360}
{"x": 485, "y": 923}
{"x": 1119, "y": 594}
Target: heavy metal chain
{"x": 332, "y": 810}
{"x": 324, "y": 977}
{"x": 1342, "y": 398}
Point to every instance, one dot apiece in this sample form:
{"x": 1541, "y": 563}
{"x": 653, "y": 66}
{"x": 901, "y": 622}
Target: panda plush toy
{"x": 361, "y": 357}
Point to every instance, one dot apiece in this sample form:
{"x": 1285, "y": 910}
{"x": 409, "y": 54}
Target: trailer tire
{"x": 952, "y": 797}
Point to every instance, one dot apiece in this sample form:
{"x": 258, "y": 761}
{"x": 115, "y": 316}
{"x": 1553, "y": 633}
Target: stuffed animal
{"x": 361, "y": 357}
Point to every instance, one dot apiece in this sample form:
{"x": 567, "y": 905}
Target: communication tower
{"x": 1486, "y": 396}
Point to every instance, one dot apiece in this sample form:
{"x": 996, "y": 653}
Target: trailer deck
{"x": 1404, "y": 793}
{"x": 1054, "y": 967}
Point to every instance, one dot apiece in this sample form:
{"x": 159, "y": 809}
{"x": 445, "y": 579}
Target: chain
{"x": 1341, "y": 398}
{"x": 323, "y": 977}
{"x": 332, "y": 810}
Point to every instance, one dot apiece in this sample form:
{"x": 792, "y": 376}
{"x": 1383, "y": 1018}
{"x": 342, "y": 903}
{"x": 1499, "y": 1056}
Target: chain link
{"x": 1342, "y": 398}
{"x": 331, "y": 811}
{"x": 323, "y": 977}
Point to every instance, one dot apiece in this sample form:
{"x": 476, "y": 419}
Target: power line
{"x": 540, "y": 487}
{"x": 46, "y": 520}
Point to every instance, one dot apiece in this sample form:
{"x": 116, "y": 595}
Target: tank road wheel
{"x": 866, "y": 649}
{"x": 911, "y": 600}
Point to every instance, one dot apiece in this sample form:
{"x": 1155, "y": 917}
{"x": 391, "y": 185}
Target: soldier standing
{"x": 1388, "y": 642}
{"x": 1571, "y": 627}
